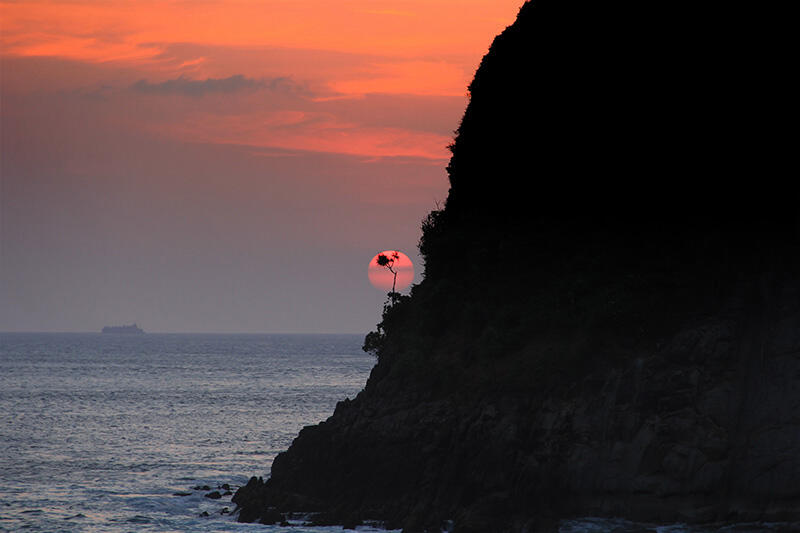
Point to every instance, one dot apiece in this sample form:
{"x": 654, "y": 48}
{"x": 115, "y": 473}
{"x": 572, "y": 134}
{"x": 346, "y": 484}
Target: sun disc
{"x": 382, "y": 278}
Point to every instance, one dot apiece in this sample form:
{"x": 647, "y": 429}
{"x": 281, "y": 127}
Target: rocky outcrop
{"x": 702, "y": 428}
{"x": 608, "y": 324}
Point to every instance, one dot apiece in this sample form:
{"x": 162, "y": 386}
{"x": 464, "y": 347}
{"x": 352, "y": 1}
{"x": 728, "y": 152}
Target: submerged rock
{"x": 271, "y": 516}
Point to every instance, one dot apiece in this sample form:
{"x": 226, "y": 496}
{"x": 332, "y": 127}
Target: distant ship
{"x": 133, "y": 328}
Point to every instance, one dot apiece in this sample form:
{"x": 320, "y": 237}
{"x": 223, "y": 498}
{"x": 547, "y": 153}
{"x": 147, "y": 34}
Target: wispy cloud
{"x": 311, "y": 132}
{"x": 406, "y": 77}
{"x": 231, "y": 84}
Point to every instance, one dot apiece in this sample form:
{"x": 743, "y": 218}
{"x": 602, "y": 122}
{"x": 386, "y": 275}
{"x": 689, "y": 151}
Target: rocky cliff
{"x": 610, "y": 318}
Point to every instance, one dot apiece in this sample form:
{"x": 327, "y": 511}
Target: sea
{"x": 130, "y": 433}
{"x": 123, "y": 433}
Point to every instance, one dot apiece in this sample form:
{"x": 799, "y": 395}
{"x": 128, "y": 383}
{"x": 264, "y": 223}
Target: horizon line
{"x": 3, "y": 332}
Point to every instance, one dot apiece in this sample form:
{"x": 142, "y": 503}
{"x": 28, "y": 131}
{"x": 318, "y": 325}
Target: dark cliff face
{"x": 610, "y": 318}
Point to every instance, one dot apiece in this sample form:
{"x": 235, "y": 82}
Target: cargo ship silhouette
{"x": 132, "y": 329}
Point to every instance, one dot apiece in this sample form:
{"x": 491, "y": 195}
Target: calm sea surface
{"x": 98, "y": 432}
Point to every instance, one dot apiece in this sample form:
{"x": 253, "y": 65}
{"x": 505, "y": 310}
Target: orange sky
{"x": 107, "y": 29}
{"x": 209, "y": 165}
{"x": 425, "y": 48}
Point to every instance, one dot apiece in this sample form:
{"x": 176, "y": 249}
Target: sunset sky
{"x": 223, "y": 166}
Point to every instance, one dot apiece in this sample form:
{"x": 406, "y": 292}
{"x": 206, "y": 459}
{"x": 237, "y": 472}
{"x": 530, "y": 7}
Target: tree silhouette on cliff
{"x": 388, "y": 261}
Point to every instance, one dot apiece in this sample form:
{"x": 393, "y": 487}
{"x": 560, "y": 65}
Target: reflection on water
{"x": 99, "y": 431}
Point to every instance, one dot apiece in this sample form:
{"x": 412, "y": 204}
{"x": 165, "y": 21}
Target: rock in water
{"x": 609, "y": 323}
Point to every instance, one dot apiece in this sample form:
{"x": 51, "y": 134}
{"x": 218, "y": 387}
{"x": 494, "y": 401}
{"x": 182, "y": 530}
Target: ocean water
{"x": 99, "y": 433}
{"x": 116, "y": 433}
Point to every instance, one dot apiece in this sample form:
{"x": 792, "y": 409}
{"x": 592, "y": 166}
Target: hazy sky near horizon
{"x": 223, "y": 166}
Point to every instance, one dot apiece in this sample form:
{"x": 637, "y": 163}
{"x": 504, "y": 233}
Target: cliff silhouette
{"x": 609, "y": 322}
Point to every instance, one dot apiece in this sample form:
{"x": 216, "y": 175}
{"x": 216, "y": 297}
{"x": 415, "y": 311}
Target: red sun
{"x": 382, "y": 277}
